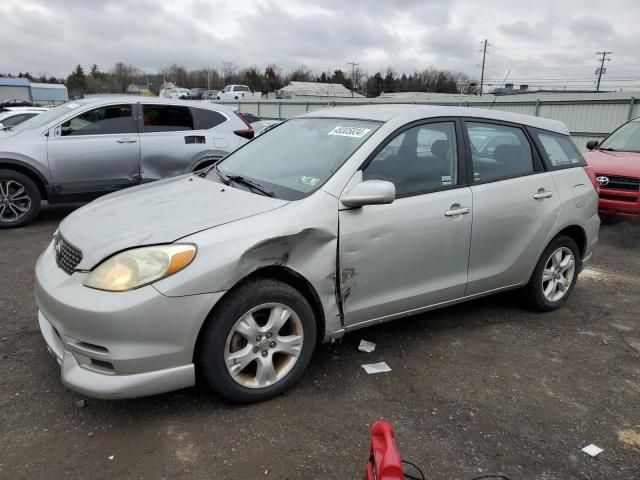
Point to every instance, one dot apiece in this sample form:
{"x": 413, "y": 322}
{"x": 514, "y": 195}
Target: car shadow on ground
{"x": 621, "y": 233}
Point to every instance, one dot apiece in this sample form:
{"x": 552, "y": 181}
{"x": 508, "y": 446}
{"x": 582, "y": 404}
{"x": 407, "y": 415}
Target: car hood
{"x": 625, "y": 164}
{"x": 159, "y": 212}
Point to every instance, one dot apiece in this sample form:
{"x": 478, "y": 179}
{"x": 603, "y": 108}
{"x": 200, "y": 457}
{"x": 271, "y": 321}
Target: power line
{"x": 353, "y": 75}
{"x": 484, "y": 56}
{"x": 604, "y": 54}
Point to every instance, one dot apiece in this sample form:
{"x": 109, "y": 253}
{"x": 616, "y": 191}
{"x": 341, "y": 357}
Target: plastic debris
{"x": 81, "y": 403}
{"x": 379, "y": 367}
{"x": 592, "y": 450}
{"x": 110, "y": 457}
{"x": 366, "y": 346}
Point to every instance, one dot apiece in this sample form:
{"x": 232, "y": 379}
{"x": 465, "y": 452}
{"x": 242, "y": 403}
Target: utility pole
{"x": 208, "y": 78}
{"x": 600, "y": 70}
{"x": 353, "y": 76}
{"x": 484, "y": 56}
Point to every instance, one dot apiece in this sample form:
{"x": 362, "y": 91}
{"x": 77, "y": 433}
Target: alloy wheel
{"x": 264, "y": 345}
{"x": 15, "y": 201}
{"x": 558, "y": 273}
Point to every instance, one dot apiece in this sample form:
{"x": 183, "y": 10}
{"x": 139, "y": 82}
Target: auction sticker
{"x": 72, "y": 105}
{"x": 354, "y": 132}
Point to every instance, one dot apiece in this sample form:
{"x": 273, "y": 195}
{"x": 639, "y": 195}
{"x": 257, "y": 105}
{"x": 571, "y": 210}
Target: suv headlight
{"x": 139, "y": 267}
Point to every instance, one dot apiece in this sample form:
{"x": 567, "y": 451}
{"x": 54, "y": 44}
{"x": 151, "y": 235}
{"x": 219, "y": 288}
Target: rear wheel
{"x": 19, "y": 199}
{"x": 258, "y": 341}
{"x": 555, "y": 274}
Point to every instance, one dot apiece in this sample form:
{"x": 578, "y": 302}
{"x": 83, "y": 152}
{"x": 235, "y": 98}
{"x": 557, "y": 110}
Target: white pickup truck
{"x": 237, "y": 92}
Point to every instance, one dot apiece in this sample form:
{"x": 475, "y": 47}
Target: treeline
{"x": 121, "y": 75}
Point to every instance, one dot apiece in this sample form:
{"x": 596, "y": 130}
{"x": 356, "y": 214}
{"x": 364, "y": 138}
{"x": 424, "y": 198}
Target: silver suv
{"x": 86, "y": 148}
{"x": 331, "y": 222}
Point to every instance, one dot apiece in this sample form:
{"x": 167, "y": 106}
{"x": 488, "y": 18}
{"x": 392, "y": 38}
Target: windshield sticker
{"x": 72, "y": 105}
{"x": 354, "y": 132}
{"x": 446, "y": 180}
{"x": 311, "y": 181}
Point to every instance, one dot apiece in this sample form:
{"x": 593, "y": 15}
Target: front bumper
{"x": 118, "y": 345}
{"x": 619, "y": 202}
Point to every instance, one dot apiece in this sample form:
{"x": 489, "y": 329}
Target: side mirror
{"x": 369, "y": 192}
{"x": 591, "y": 144}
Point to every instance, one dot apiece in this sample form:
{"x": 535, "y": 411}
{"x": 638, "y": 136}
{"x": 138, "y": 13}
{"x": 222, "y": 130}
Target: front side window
{"x": 560, "y": 150}
{"x": 298, "y": 156}
{"x": 166, "y": 118}
{"x": 16, "y": 119}
{"x": 420, "y": 159}
{"x": 498, "y": 151}
{"x": 111, "y": 119}
{"x": 625, "y": 139}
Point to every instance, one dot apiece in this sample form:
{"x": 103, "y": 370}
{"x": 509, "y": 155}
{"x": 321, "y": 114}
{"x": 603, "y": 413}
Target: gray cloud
{"x": 51, "y": 36}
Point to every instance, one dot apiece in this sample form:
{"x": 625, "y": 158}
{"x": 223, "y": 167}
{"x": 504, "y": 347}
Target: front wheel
{"x": 555, "y": 274}
{"x": 19, "y": 199}
{"x": 258, "y": 341}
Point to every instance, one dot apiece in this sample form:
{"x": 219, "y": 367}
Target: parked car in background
{"x": 209, "y": 95}
{"x": 196, "y": 93}
{"x": 179, "y": 93}
{"x": 12, "y": 116}
{"x": 15, "y": 102}
{"x": 312, "y": 230}
{"x": 616, "y": 163}
{"x": 86, "y": 148}
{"x": 237, "y": 92}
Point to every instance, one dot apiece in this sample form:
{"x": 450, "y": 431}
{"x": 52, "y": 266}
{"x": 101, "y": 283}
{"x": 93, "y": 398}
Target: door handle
{"x": 457, "y": 211}
{"x": 126, "y": 140}
{"x": 543, "y": 194}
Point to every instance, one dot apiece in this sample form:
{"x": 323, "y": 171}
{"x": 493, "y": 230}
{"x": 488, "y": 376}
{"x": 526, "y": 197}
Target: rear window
{"x": 167, "y": 118}
{"x": 559, "y": 150}
{"x": 205, "y": 119}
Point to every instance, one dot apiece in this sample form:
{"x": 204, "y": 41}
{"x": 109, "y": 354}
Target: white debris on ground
{"x": 379, "y": 367}
{"x": 366, "y": 346}
{"x": 592, "y": 450}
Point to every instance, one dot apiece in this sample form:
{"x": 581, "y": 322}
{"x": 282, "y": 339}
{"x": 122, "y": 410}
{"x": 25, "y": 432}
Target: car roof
{"x": 409, "y": 113}
{"x": 25, "y": 109}
{"x": 110, "y": 100}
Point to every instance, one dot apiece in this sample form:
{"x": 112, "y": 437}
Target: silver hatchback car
{"x": 87, "y": 148}
{"x": 330, "y": 222}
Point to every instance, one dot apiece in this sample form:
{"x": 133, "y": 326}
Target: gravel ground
{"x": 482, "y": 387}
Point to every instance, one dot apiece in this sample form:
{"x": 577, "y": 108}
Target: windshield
{"x": 625, "y": 139}
{"x": 46, "y": 117}
{"x": 297, "y": 157}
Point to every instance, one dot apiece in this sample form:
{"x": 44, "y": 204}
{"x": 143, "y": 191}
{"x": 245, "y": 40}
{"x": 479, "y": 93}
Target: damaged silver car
{"x": 333, "y": 221}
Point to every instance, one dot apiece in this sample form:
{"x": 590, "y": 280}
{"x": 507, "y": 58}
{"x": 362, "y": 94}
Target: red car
{"x": 616, "y": 164}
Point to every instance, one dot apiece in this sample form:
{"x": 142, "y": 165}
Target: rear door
{"x": 96, "y": 152}
{"x": 172, "y": 137}
{"x": 515, "y": 204}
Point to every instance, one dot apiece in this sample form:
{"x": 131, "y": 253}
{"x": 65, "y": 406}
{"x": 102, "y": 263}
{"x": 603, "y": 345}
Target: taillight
{"x": 248, "y": 132}
{"x": 592, "y": 177}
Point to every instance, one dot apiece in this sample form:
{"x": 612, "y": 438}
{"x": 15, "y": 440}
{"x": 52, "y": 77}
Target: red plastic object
{"x": 384, "y": 459}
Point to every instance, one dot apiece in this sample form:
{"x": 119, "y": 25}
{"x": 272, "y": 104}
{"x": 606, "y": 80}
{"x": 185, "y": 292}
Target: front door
{"x": 96, "y": 152}
{"x": 412, "y": 253}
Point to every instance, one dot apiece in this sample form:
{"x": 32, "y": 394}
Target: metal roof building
{"x": 47, "y": 93}
{"x": 315, "y": 90}
{"x": 18, "y": 88}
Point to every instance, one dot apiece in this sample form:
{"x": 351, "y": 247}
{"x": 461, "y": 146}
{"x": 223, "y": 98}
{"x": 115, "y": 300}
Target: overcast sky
{"x": 536, "y": 41}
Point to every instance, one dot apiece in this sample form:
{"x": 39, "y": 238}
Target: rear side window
{"x": 559, "y": 150}
{"x": 111, "y": 119}
{"x": 498, "y": 151}
{"x": 16, "y": 119}
{"x": 204, "y": 119}
{"x": 166, "y": 118}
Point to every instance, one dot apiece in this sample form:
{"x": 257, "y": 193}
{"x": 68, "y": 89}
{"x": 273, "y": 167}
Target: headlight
{"x": 140, "y": 266}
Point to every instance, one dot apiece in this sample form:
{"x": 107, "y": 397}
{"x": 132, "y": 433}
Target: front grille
{"x": 620, "y": 183}
{"x": 67, "y": 256}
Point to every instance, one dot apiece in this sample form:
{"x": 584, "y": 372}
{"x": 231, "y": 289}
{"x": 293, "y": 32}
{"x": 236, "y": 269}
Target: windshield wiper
{"x": 608, "y": 149}
{"x": 254, "y": 186}
{"x": 214, "y": 167}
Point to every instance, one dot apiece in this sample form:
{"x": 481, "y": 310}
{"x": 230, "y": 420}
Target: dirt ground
{"x": 482, "y": 387}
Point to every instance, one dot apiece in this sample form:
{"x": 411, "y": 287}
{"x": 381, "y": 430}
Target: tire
{"x": 549, "y": 293}
{"x": 19, "y": 199}
{"x": 251, "y": 379}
